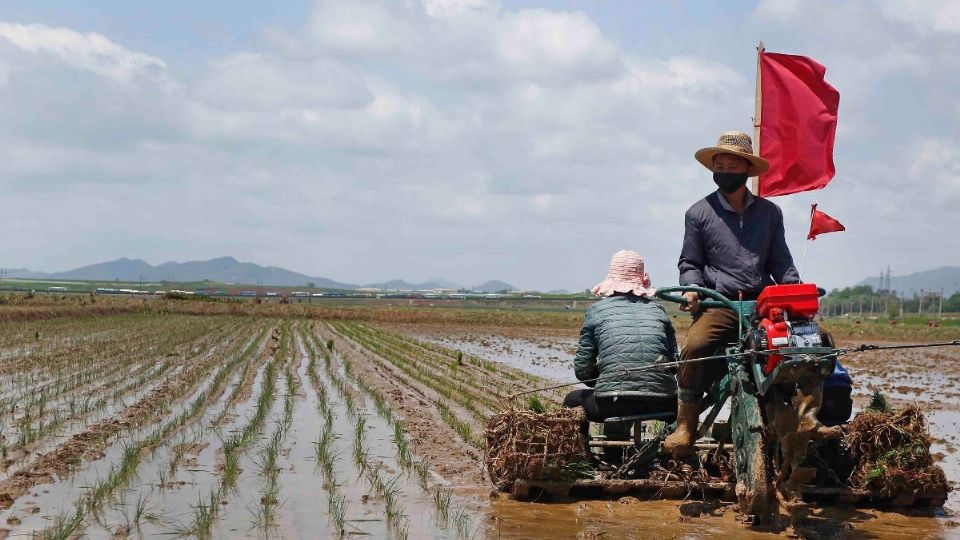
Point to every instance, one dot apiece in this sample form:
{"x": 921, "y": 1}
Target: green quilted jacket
{"x": 624, "y": 332}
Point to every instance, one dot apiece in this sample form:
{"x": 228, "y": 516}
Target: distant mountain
{"x": 228, "y": 270}
{"x": 443, "y": 283}
{"x": 495, "y": 286}
{"x": 223, "y": 270}
{"x": 401, "y": 285}
{"x": 121, "y": 269}
{"x": 946, "y": 278}
{"x": 25, "y": 274}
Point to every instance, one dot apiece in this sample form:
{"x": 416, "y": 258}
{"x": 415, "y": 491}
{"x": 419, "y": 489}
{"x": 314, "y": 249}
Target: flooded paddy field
{"x": 928, "y": 376}
{"x": 219, "y": 423}
{"x": 147, "y": 425}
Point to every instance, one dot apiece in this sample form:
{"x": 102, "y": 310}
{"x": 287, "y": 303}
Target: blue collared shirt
{"x": 733, "y": 253}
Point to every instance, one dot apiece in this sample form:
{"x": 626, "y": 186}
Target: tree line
{"x": 864, "y": 299}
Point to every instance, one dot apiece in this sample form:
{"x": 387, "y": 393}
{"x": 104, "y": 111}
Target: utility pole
{"x": 920, "y": 305}
{"x": 940, "y": 309}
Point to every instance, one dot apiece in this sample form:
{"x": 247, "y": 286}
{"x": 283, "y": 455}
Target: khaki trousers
{"x": 711, "y": 331}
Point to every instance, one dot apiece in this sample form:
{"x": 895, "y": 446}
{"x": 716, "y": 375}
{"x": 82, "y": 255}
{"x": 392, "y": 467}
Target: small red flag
{"x": 821, "y": 223}
{"x": 798, "y": 123}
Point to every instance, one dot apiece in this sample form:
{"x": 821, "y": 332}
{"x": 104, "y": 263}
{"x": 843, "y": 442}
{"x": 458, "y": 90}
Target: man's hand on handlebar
{"x": 693, "y": 302}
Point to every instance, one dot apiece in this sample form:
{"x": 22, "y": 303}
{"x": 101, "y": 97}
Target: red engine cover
{"x": 778, "y": 335}
{"x": 799, "y": 301}
{"x": 778, "y": 302}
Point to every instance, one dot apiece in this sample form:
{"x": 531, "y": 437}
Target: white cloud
{"x": 541, "y": 44}
{"x": 91, "y": 51}
{"x": 780, "y": 10}
{"x": 518, "y": 119}
{"x": 362, "y": 27}
{"x": 937, "y": 167}
{"x": 446, "y": 9}
{"x": 462, "y": 138}
{"x": 260, "y": 81}
{"x": 926, "y": 15}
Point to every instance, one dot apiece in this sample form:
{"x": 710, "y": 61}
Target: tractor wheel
{"x": 755, "y": 491}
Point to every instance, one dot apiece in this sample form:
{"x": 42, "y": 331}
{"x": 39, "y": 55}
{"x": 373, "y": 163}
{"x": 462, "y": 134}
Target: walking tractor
{"x": 774, "y": 383}
{"x": 783, "y": 443}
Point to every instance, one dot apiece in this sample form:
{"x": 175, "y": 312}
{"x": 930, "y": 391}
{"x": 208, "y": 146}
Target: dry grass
{"x": 534, "y": 446}
{"x": 892, "y": 452}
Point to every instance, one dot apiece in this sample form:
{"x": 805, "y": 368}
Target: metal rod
{"x": 865, "y": 347}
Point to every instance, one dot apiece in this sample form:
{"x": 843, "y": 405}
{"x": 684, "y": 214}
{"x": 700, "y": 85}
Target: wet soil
{"x": 174, "y": 477}
{"x": 457, "y": 462}
{"x": 89, "y": 444}
{"x": 928, "y": 376}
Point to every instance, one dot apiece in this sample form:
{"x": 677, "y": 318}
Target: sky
{"x": 366, "y": 140}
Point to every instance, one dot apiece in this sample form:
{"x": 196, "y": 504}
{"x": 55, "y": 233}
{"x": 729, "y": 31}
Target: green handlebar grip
{"x": 713, "y": 298}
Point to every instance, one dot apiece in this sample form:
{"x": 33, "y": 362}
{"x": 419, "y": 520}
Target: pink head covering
{"x": 626, "y": 275}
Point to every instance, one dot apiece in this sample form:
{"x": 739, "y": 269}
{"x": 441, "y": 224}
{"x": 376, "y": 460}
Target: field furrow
{"x": 103, "y": 452}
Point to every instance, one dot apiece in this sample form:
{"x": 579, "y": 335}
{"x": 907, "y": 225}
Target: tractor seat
{"x": 618, "y": 428}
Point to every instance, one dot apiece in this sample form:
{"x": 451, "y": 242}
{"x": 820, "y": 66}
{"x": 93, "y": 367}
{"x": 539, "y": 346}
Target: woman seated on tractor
{"x": 624, "y": 336}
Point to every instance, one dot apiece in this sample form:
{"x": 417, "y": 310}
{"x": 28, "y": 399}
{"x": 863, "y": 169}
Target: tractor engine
{"x": 787, "y": 315}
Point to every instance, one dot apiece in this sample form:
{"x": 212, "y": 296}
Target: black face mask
{"x": 728, "y": 182}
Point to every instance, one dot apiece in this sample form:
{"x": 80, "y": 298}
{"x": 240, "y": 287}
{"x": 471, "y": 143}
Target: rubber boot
{"x": 680, "y": 442}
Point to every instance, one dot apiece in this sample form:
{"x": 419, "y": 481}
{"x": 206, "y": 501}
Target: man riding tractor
{"x": 734, "y": 244}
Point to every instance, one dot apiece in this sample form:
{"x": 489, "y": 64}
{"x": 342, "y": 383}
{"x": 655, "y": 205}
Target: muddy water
{"x": 300, "y": 482}
{"x": 550, "y": 359}
{"x": 631, "y": 518}
{"x": 906, "y": 378}
{"x": 49, "y": 501}
{"x": 365, "y": 515}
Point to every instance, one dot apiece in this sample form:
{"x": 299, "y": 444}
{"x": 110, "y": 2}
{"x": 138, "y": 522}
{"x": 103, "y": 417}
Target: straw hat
{"x": 738, "y": 144}
{"x": 626, "y": 275}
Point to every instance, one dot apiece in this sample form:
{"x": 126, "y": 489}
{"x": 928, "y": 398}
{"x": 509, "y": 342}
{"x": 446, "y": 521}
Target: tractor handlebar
{"x": 675, "y": 294}
{"x": 714, "y": 300}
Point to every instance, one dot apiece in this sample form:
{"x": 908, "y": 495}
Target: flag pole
{"x": 803, "y": 260}
{"x": 757, "y": 112}
{"x": 806, "y": 241}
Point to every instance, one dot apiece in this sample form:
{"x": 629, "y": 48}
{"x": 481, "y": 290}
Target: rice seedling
{"x": 422, "y": 469}
{"x": 162, "y": 477}
{"x": 337, "y": 508}
{"x": 372, "y": 474}
{"x": 463, "y": 522}
{"x": 64, "y": 526}
{"x": 121, "y": 473}
{"x": 359, "y": 453}
{"x": 441, "y": 502}
{"x": 463, "y": 429}
{"x": 458, "y": 388}
{"x": 271, "y": 453}
{"x": 204, "y": 515}
{"x": 400, "y": 441}
{"x": 140, "y": 512}
{"x": 325, "y": 456}
{"x": 536, "y": 405}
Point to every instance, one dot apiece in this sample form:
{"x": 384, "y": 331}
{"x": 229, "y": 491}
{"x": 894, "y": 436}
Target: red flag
{"x": 821, "y": 223}
{"x": 798, "y": 122}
